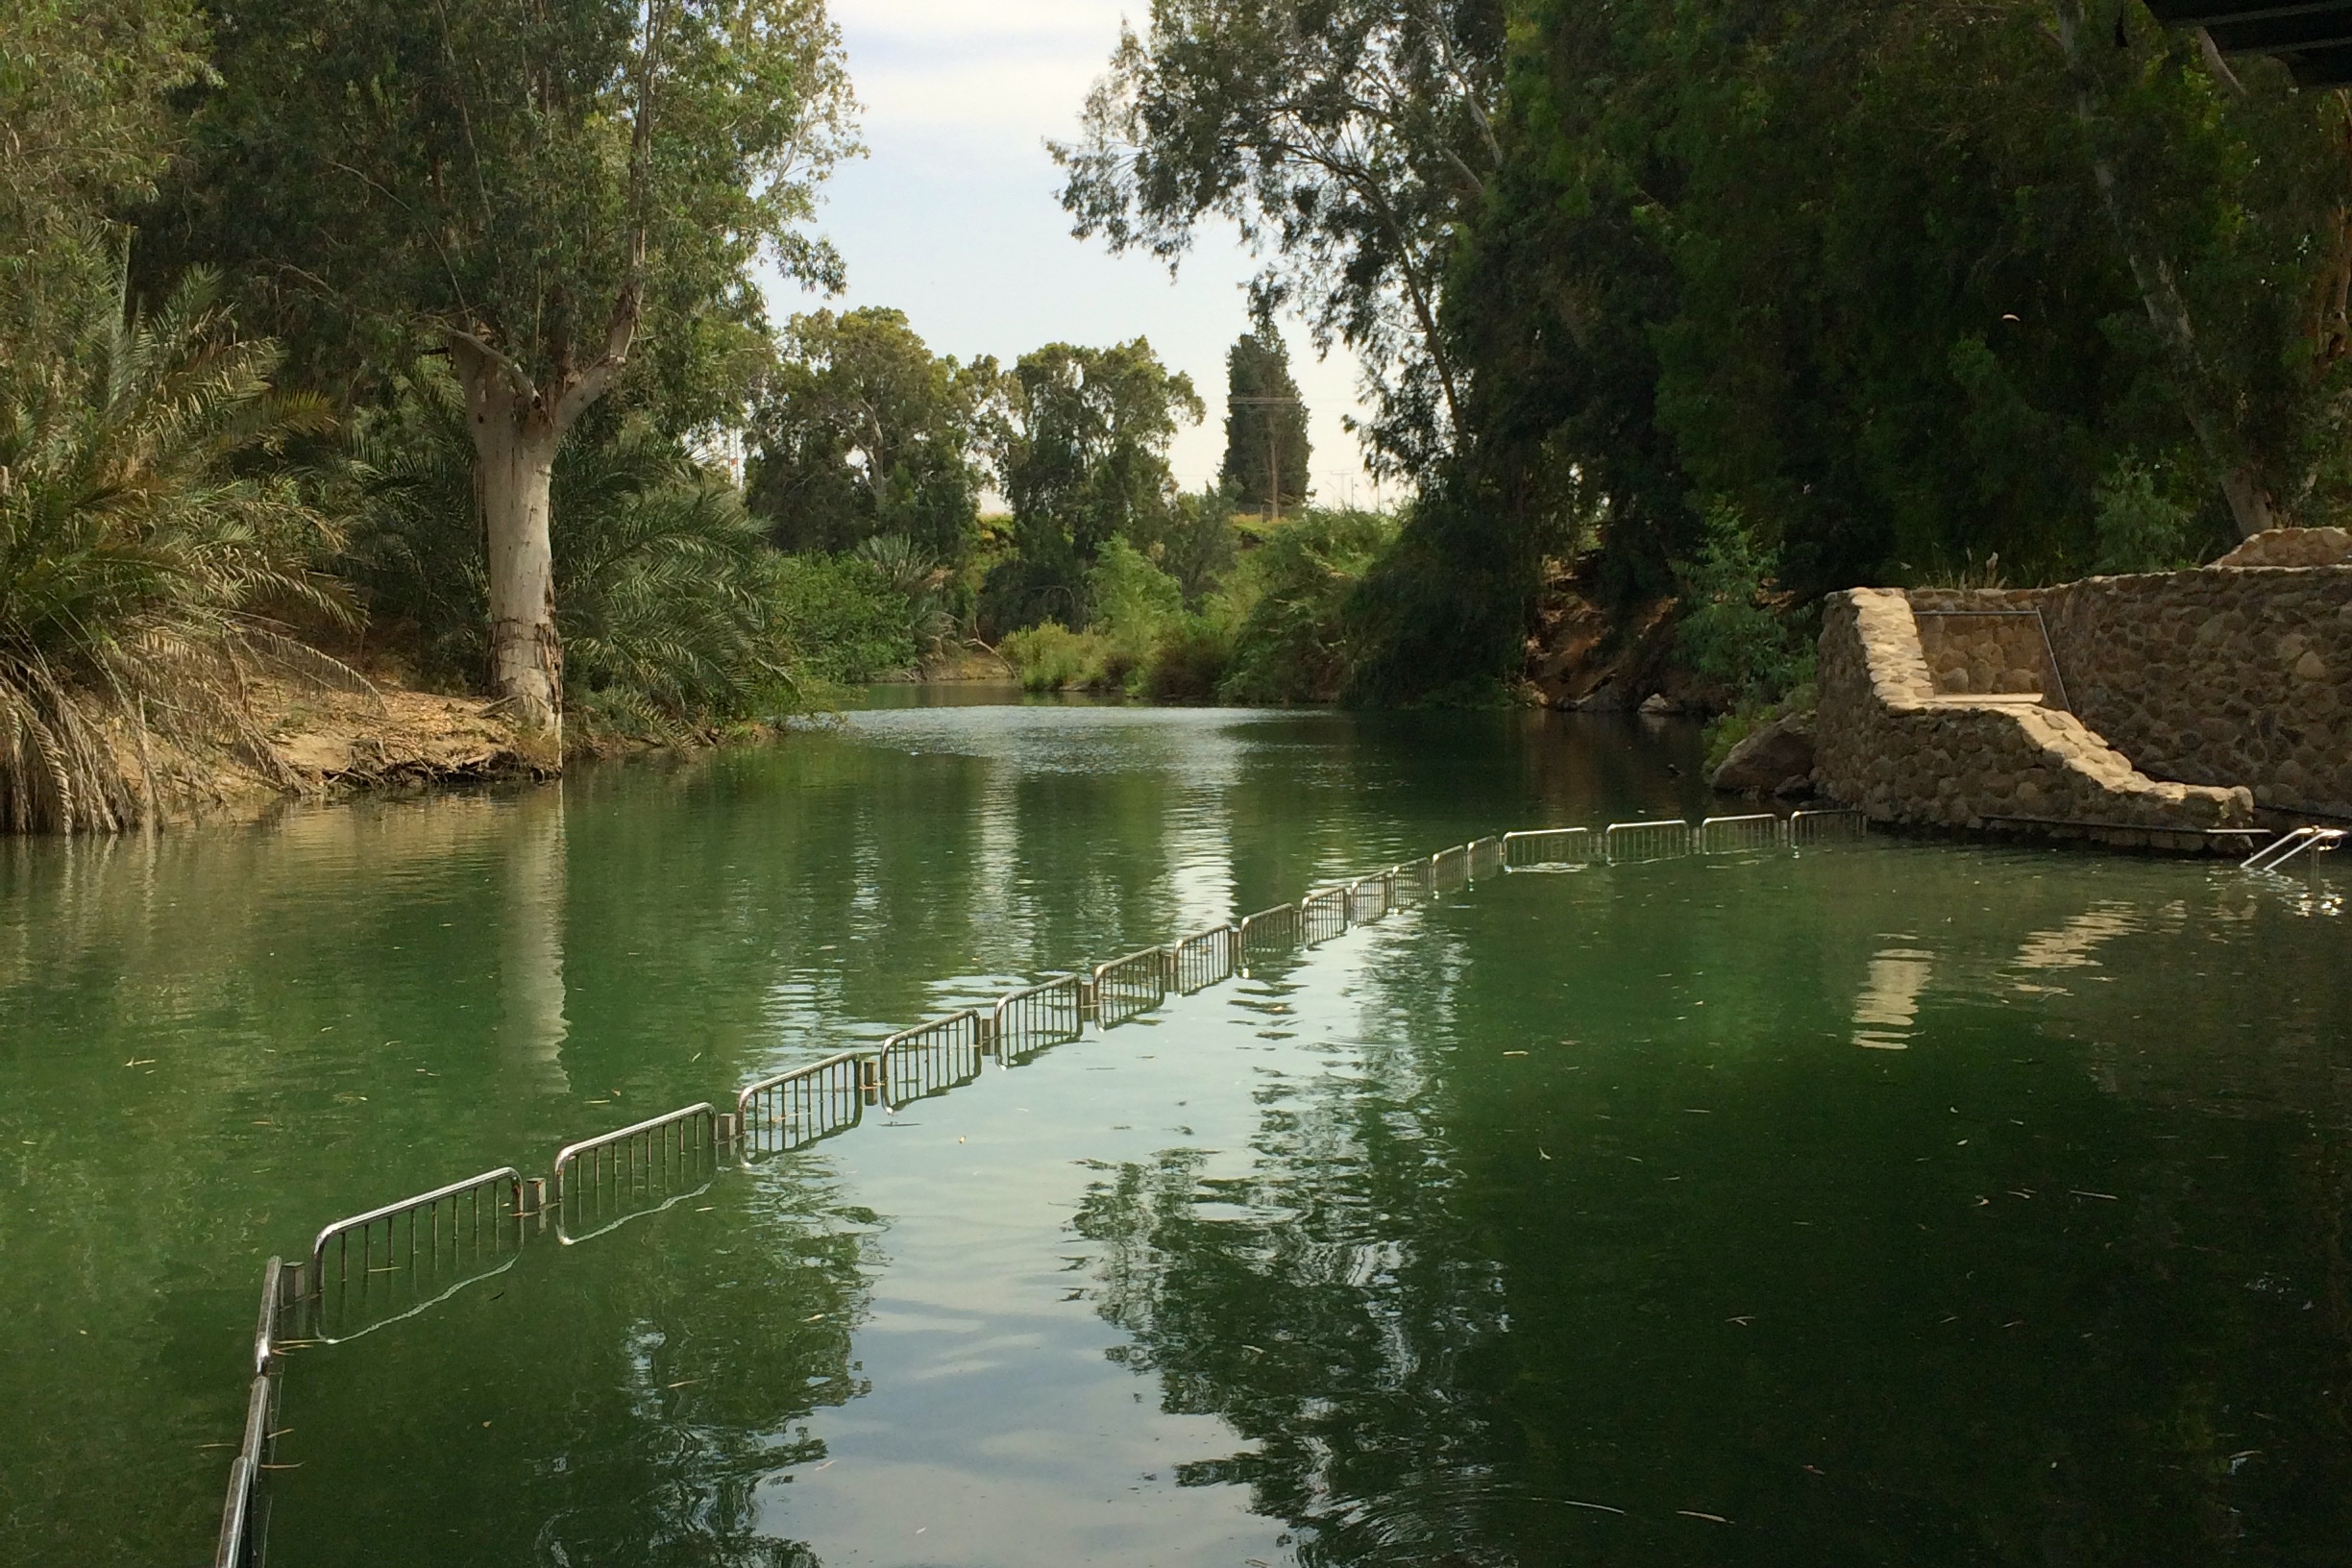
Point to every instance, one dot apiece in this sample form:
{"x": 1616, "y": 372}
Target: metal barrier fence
{"x": 1126, "y": 987}
{"x": 1028, "y": 1020}
{"x": 420, "y": 1250}
{"x": 1625, "y": 843}
{"x": 1548, "y": 847}
{"x": 1323, "y": 913}
{"x": 932, "y": 1058}
{"x": 1834, "y": 827}
{"x": 1486, "y": 857}
{"x": 1203, "y": 958}
{"x": 601, "y": 1182}
{"x": 1728, "y": 835}
{"x": 793, "y": 1110}
{"x": 1268, "y": 932}
{"x": 411, "y": 1254}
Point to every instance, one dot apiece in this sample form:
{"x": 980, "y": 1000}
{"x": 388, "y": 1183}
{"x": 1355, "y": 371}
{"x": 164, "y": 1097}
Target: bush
{"x": 1189, "y": 661}
{"x": 1291, "y": 642}
{"x": 1050, "y": 657}
{"x": 844, "y": 620}
{"x": 1734, "y": 636}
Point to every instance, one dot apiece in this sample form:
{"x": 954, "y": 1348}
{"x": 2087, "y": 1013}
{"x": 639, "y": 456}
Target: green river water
{"x": 1906, "y": 1204}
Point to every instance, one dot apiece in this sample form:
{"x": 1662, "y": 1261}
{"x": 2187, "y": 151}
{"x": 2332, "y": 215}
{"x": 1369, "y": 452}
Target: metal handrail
{"x": 569, "y": 1153}
{"x": 343, "y": 1229}
{"x": 1576, "y": 836}
{"x": 1799, "y": 830}
{"x": 2291, "y": 844}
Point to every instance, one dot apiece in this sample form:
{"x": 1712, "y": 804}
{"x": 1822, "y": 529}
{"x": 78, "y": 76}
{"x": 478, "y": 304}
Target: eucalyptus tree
{"x": 860, "y": 432}
{"x": 1346, "y": 139}
{"x": 1083, "y": 460}
{"x": 537, "y": 187}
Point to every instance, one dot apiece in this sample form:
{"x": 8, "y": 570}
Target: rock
{"x": 2292, "y": 547}
{"x": 1769, "y": 758}
{"x": 1658, "y": 702}
{"x": 1609, "y": 696}
{"x": 1795, "y": 787}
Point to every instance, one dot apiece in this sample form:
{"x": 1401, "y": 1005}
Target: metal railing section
{"x": 1449, "y": 869}
{"x": 1548, "y": 847}
{"x": 1126, "y": 987}
{"x": 2299, "y": 840}
{"x": 616, "y": 1156}
{"x": 1833, "y": 825}
{"x": 933, "y": 1058}
{"x": 1627, "y": 843}
{"x": 1370, "y": 899}
{"x": 1413, "y": 875}
{"x": 1204, "y": 959}
{"x": 1323, "y": 914}
{"x": 1728, "y": 835}
{"x": 452, "y": 1217}
{"x": 792, "y": 1110}
{"x": 1486, "y": 857}
{"x": 1028, "y": 1020}
{"x": 1270, "y": 931}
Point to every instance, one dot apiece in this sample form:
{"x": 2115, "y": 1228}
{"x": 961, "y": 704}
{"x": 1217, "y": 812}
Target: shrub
{"x": 844, "y": 621}
{"x": 1189, "y": 661}
{"x": 1050, "y": 657}
{"x": 1291, "y": 642}
{"x": 1735, "y": 639}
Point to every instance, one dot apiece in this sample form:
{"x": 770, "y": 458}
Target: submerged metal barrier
{"x": 1028, "y": 1020}
{"x": 791, "y": 1110}
{"x": 1204, "y": 959}
{"x": 933, "y": 1058}
{"x": 420, "y": 1250}
{"x": 1127, "y": 987}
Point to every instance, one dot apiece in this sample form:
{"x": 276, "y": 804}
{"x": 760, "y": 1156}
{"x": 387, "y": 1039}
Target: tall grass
{"x": 147, "y": 547}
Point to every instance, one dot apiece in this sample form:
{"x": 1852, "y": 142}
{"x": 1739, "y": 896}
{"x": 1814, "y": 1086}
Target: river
{"x": 1902, "y": 1203}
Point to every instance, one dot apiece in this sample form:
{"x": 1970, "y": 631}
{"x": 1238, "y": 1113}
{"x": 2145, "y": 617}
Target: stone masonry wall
{"x": 1888, "y": 741}
{"x": 2225, "y": 676}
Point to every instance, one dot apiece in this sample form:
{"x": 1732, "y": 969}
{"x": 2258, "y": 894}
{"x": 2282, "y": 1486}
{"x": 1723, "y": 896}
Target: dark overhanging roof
{"x": 2314, "y": 39}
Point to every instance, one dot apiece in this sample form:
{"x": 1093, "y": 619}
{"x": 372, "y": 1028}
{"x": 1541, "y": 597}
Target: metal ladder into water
{"x": 2314, "y": 841}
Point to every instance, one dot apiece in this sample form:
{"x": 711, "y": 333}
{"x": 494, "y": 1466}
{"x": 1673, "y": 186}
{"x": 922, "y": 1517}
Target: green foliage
{"x": 1293, "y": 642}
{"x": 1347, "y": 139}
{"x": 145, "y": 550}
{"x": 860, "y": 432}
{"x": 1189, "y": 661}
{"x": 1266, "y": 451}
{"x": 666, "y": 601}
{"x": 1902, "y": 282}
{"x": 845, "y": 621}
{"x": 1731, "y": 634}
{"x": 2139, "y": 527}
{"x": 1050, "y": 657}
{"x": 528, "y": 176}
{"x": 1084, "y": 460}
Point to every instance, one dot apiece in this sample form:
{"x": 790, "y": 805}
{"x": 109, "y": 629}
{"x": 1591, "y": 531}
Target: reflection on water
{"x": 1558, "y": 1221}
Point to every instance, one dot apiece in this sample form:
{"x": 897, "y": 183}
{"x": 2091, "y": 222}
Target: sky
{"x": 951, "y": 216}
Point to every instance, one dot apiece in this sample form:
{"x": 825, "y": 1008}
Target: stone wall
{"x": 2225, "y": 676}
{"x": 1890, "y": 742}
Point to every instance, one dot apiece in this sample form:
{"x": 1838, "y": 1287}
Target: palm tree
{"x": 146, "y": 538}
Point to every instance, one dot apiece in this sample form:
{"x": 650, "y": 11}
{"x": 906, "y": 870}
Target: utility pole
{"x": 1273, "y": 448}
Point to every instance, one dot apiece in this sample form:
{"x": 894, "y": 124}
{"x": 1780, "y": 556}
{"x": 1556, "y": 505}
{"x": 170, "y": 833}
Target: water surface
{"x": 1911, "y": 1204}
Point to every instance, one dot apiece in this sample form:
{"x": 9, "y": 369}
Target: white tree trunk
{"x": 514, "y": 444}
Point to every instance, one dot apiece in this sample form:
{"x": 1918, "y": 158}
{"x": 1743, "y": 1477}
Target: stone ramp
{"x": 1891, "y": 742}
